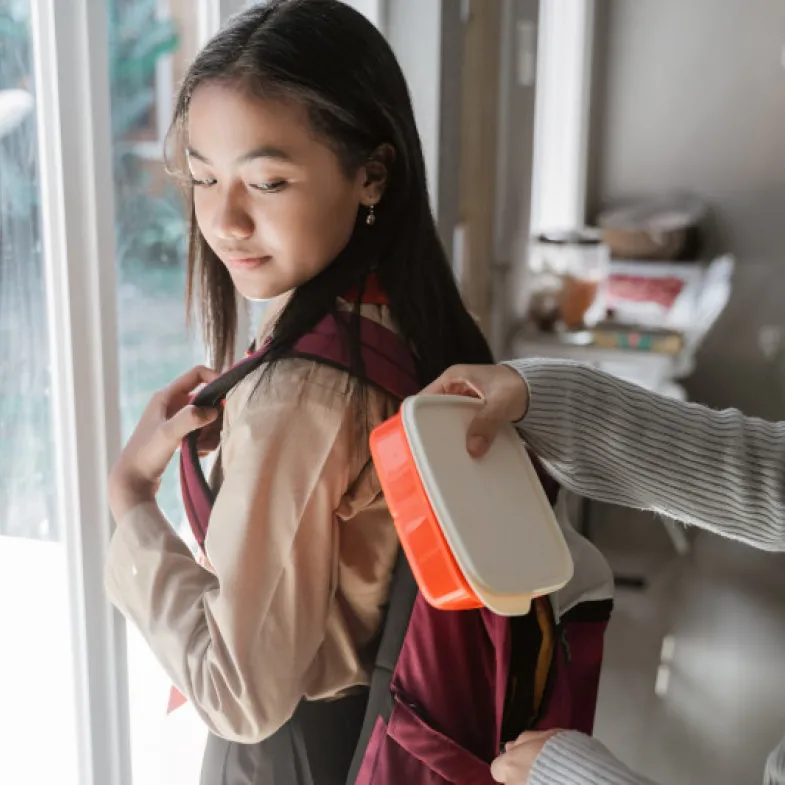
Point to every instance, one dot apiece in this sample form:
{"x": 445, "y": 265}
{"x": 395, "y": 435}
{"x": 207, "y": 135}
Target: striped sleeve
{"x": 571, "y": 758}
{"x": 615, "y": 442}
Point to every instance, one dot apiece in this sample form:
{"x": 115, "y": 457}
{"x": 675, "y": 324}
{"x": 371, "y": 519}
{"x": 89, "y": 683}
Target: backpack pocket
{"x": 408, "y": 749}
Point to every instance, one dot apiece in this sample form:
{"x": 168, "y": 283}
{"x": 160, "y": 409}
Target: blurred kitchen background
{"x": 609, "y": 180}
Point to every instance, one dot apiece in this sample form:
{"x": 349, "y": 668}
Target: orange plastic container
{"x": 475, "y": 533}
{"x": 437, "y": 573}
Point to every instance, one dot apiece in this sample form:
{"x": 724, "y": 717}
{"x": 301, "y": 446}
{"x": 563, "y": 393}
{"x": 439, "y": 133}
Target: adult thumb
{"x": 501, "y": 769}
{"x": 483, "y": 429}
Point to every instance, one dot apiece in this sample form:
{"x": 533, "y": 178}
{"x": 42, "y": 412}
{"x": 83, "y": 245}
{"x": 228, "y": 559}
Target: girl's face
{"x": 271, "y": 200}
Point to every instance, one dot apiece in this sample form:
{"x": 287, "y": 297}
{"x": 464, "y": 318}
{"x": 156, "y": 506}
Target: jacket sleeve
{"x": 241, "y": 640}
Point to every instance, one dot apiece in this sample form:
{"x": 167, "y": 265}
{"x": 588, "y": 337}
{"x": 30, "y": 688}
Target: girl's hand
{"x": 502, "y": 389}
{"x": 168, "y": 418}
{"x": 210, "y": 437}
{"x": 515, "y": 766}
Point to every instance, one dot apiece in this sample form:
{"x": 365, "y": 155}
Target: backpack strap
{"x": 403, "y": 593}
{"x": 387, "y": 364}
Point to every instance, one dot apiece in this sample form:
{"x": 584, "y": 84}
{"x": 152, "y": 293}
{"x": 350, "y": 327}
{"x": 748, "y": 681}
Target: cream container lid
{"x": 493, "y": 512}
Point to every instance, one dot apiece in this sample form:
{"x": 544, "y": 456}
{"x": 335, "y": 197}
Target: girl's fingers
{"x": 190, "y": 380}
{"x": 189, "y": 418}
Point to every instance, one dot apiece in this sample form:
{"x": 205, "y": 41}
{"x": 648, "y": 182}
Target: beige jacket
{"x": 301, "y": 549}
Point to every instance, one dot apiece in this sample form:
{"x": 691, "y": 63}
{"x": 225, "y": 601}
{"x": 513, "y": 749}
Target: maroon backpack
{"x": 447, "y": 688}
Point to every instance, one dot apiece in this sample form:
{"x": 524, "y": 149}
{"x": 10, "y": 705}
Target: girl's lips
{"x": 247, "y": 264}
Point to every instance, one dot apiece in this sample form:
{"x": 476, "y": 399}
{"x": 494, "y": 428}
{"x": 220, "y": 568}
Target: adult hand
{"x": 503, "y": 390}
{"x": 515, "y": 766}
{"x": 168, "y": 418}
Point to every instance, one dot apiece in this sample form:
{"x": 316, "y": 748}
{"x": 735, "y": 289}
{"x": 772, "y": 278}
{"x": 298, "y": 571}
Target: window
{"x": 151, "y": 227}
{"x": 561, "y": 127}
{"x": 36, "y": 668}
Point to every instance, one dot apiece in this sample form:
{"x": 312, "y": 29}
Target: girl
{"x": 306, "y": 182}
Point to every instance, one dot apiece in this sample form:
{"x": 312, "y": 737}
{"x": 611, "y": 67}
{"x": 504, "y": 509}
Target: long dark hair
{"x": 328, "y": 56}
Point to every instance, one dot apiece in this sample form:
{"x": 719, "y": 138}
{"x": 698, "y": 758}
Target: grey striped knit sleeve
{"x": 571, "y": 758}
{"x": 615, "y": 442}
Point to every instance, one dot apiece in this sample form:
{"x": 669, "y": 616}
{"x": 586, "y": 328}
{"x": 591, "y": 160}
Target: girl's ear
{"x": 376, "y": 172}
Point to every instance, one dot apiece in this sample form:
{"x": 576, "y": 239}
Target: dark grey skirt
{"x": 314, "y": 748}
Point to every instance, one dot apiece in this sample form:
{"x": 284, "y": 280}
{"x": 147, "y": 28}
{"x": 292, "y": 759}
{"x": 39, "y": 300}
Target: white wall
{"x": 372, "y": 9}
{"x": 414, "y": 30}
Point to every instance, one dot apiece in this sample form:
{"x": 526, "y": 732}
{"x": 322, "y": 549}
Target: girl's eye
{"x": 270, "y": 188}
{"x": 203, "y": 183}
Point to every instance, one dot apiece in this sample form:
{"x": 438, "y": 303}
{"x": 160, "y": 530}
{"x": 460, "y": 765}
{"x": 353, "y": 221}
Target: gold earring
{"x": 370, "y": 219}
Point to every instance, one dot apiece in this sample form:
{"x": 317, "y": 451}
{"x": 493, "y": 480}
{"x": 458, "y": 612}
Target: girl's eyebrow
{"x": 265, "y": 151}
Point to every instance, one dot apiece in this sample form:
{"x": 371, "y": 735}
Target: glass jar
{"x": 568, "y": 271}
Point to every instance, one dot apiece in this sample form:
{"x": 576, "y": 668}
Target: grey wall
{"x": 691, "y": 94}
